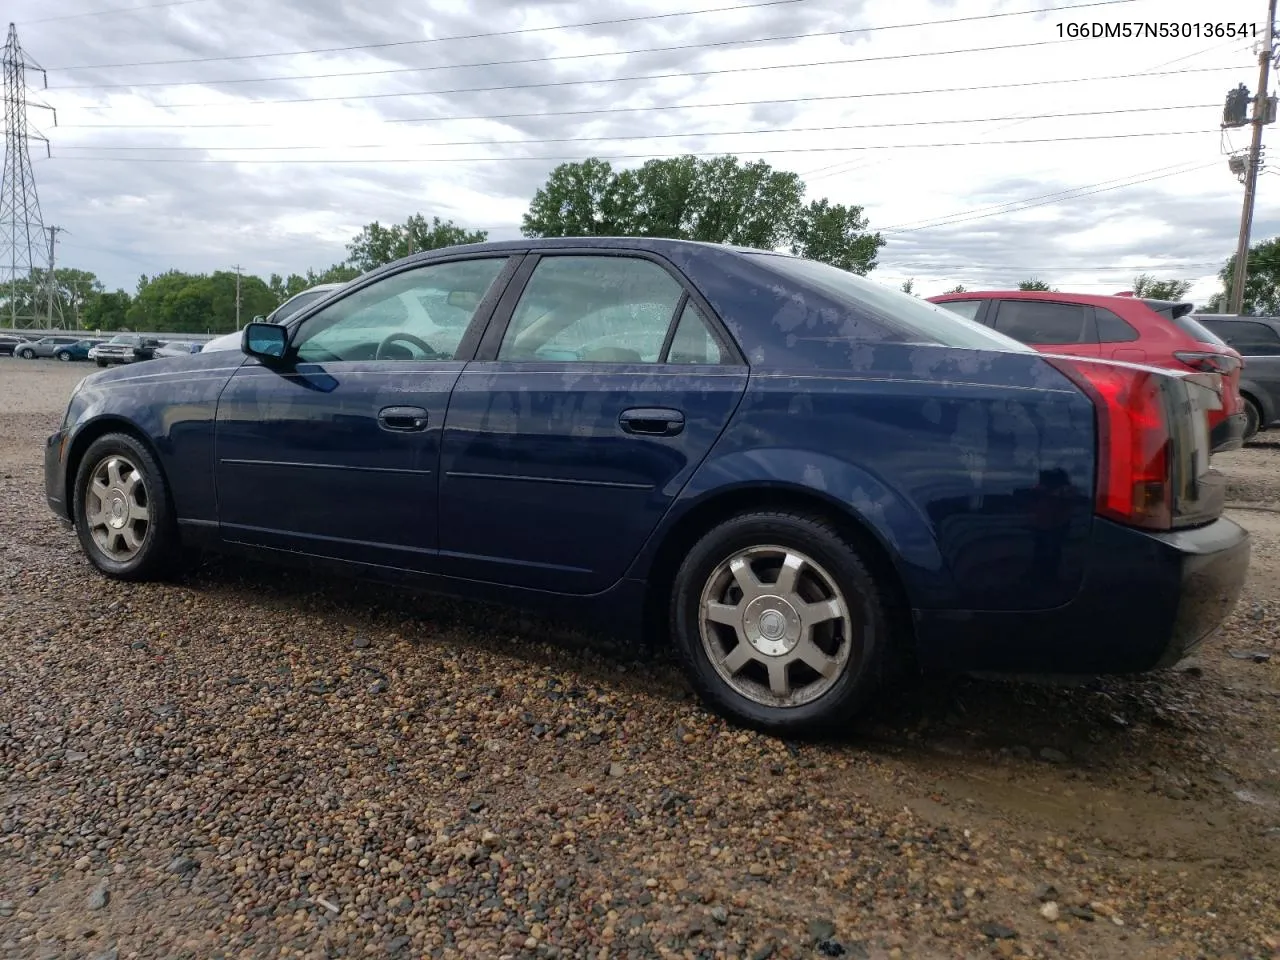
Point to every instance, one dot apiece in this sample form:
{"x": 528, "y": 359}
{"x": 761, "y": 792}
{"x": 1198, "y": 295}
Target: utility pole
{"x": 1261, "y": 109}
{"x": 51, "y": 280}
{"x": 237, "y": 296}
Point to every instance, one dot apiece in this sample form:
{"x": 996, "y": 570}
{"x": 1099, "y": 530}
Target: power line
{"x": 554, "y": 58}
{"x": 680, "y": 75}
{"x": 643, "y": 156}
{"x": 862, "y": 165}
{"x": 1041, "y": 203}
{"x": 103, "y": 13}
{"x": 574, "y": 26}
{"x": 998, "y": 207}
{"x": 636, "y": 136}
{"x": 602, "y": 111}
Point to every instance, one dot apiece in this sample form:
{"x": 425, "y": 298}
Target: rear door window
{"x": 1251, "y": 338}
{"x": 1112, "y": 328}
{"x": 1045, "y": 322}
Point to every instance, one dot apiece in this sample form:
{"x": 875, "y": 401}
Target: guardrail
{"x": 35, "y": 334}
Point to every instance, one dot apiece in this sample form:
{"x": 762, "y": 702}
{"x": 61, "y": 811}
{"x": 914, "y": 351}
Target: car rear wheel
{"x": 1252, "y": 419}
{"x": 779, "y": 623}
{"x": 121, "y": 510}
{"x": 63, "y": 356}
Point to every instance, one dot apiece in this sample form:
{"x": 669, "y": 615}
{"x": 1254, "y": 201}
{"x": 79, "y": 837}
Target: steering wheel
{"x": 430, "y": 351}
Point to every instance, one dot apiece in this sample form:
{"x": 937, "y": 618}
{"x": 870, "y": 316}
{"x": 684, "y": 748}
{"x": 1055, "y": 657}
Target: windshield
{"x": 906, "y": 319}
{"x": 290, "y": 307}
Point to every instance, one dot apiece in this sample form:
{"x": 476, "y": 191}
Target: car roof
{"x": 1098, "y": 299}
{"x": 656, "y": 244}
{"x": 662, "y": 246}
{"x": 1236, "y": 317}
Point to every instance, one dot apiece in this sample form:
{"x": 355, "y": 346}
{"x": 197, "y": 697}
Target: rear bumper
{"x": 1227, "y": 433}
{"x": 1147, "y": 601}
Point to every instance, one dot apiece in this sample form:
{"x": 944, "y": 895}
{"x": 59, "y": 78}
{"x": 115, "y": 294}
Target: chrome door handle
{"x": 402, "y": 419}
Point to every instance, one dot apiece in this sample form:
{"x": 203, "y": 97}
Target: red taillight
{"x": 1134, "y": 482}
{"x": 1207, "y": 362}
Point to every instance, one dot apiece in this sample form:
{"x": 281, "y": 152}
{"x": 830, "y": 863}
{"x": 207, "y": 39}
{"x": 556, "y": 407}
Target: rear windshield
{"x": 289, "y": 308}
{"x": 1194, "y": 328}
{"x": 905, "y": 318}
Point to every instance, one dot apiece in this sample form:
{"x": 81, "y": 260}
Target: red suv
{"x": 1117, "y": 327}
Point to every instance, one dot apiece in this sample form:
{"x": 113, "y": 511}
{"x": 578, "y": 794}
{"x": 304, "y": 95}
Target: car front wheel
{"x": 27, "y": 354}
{"x": 779, "y": 623}
{"x": 121, "y": 509}
{"x": 63, "y": 356}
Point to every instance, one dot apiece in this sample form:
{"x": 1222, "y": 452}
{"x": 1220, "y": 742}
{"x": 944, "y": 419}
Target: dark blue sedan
{"x": 799, "y": 476}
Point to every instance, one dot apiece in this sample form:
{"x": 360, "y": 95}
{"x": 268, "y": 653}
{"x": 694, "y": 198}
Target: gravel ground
{"x": 255, "y": 763}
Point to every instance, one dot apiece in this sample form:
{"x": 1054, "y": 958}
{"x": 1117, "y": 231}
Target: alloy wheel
{"x": 775, "y": 626}
{"x": 117, "y": 508}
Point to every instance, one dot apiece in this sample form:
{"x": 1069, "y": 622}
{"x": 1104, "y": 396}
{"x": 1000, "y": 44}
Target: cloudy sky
{"x": 200, "y": 134}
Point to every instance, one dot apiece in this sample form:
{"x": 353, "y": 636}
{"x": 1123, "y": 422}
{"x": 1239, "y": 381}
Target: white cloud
{"x": 127, "y": 217}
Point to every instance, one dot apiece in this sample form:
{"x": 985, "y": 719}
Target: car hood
{"x": 220, "y": 360}
{"x": 228, "y": 341}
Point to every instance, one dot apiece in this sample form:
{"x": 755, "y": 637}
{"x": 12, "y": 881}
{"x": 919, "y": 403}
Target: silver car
{"x": 45, "y": 347}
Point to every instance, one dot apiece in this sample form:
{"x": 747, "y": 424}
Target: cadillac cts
{"x": 797, "y": 475}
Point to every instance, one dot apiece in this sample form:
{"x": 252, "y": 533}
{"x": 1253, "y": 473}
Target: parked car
{"x": 1115, "y": 327}
{"x": 806, "y": 477}
{"x": 44, "y": 347}
{"x": 75, "y": 351}
{"x": 1257, "y": 339}
{"x": 231, "y": 341}
{"x": 124, "y": 348}
{"x": 9, "y": 342}
{"x": 177, "y": 348}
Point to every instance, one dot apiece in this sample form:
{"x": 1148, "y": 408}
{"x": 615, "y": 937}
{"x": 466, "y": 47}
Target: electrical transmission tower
{"x": 23, "y": 244}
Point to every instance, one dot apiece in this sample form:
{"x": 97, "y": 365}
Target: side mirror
{"x": 266, "y": 341}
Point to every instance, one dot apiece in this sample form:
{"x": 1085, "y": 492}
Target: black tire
{"x": 63, "y": 356}
{"x": 156, "y": 556}
{"x": 864, "y": 600}
{"x": 1252, "y": 419}
{"x": 102, "y": 363}
{"x": 27, "y": 354}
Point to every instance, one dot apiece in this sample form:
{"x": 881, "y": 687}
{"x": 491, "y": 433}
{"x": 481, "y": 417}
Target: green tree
{"x": 1149, "y": 288}
{"x": 909, "y": 285}
{"x": 836, "y": 234}
{"x": 149, "y": 309}
{"x": 72, "y": 291}
{"x": 585, "y": 200}
{"x": 179, "y": 302}
{"x": 1034, "y": 284}
{"x": 747, "y": 205}
{"x": 376, "y": 245}
{"x": 718, "y": 200}
{"x": 958, "y": 288}
{"x": 107, "y": 311}
{"x": 337, "y": 273}
{"x": 1262, "y": 281}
